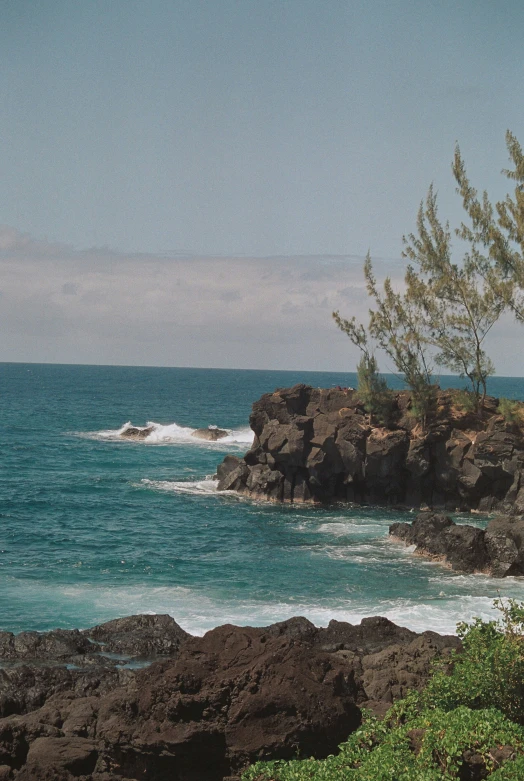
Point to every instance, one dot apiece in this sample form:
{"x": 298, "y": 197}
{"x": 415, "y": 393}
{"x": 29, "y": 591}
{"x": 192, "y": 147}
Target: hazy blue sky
{"x": 231, "y": 128}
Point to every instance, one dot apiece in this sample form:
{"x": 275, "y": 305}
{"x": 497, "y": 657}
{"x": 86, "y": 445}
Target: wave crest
{"x": 173, "y": 434}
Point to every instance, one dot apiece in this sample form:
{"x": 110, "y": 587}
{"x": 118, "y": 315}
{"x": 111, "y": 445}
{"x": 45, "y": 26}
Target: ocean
{"x": 93, "y": 527}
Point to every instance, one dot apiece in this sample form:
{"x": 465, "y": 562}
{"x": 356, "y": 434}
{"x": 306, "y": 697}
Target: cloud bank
{"x": 97, "y": 306}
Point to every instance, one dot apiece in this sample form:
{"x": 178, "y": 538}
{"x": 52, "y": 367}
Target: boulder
{"x": 136, "y": 432}
{"x": 210, "y": 434}
{"x": 505, "y": 545}
{"x": 139, "y": 636}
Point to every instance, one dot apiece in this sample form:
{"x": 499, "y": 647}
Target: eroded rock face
{"x": 497, "y": 550}
{"x": 221, "y": 701}
{"x": 317, "y": 445}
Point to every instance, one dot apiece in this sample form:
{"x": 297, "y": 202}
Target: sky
{"x": 196, "y": 182}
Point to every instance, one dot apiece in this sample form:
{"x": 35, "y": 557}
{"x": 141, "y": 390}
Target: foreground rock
{"x": 498, "y": 550}
{"x": 314, "y": 445}
{"x": 217, "y": 702}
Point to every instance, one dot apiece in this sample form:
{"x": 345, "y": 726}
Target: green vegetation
{"x": 448, "y": 307}
{"x": 464, "y": 400}
{"x": 510, "y": 410}
{"x": 373, "y": 391}
{"x": 473, "y": 705}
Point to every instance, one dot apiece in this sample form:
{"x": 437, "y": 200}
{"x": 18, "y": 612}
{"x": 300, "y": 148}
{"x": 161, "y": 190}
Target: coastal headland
{"x": 315, "y": 445}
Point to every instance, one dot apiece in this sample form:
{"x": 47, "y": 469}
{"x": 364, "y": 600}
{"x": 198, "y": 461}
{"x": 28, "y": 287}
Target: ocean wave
{"x": 205, "y": 487}
{"x": 173, "y": 434}
{"x": 199, "y": 610}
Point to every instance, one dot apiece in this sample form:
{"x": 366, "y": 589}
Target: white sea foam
{"x": 351, "y": 528}
{"x": 197, "y": 612}
{"x": 173, "y": 434}
{"x": 206, "y": 487}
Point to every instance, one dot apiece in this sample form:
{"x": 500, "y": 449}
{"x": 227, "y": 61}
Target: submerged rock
{"x": 135, "y": 432}
{"x": 317, "y": 445}
{"x": 211, "y": 434}
{"x": 214, "y": 705}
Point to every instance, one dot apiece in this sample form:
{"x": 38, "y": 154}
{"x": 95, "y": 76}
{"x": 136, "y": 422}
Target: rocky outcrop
{"x": 210, "y": 434}
{"x": 317, "y": 445}
{"x": 136, "y": 432}
{"x": 497, "y": 550}
{"x": 213, "y": 705}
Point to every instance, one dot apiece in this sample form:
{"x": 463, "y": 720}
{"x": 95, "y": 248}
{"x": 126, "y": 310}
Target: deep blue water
{"x": 93, "y": 527}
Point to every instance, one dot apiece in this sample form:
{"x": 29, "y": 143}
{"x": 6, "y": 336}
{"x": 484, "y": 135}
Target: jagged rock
{"x": 58, "y": 644}
{"x": 211, "y": 434}
{"x": 53, "y": 758}
{"x": 505, "y": 545}
{"x": 499, "y": 549}
{"x": 222, "y": 701}
{"x": 136, "y": 432}
{"x": 142, "y": 635}
{"x": 316, "y": 445}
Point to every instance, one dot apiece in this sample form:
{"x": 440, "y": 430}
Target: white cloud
{"x": 99, "y": 306}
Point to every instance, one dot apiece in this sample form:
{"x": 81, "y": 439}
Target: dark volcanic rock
{"x": 505, "y": 545}
{"x": 142, "y": 635}
{"x": 224, "y": 700}
{"x": 58, "y": 644}
{"x": 499, "y": 549}
{"x": 316, "y": 445}
{"x": 135, "y": 432}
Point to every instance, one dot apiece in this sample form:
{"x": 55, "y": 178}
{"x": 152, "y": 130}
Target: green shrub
{"x": 510, "y": 410}
{"x": 465, "y": 400}
{"x": 384, "y": 751}
{"x": 510, "y": 771}
{"x": 489, "y": 670}
{"x": 474, "y": 702}
{"x": 373, "y": 391}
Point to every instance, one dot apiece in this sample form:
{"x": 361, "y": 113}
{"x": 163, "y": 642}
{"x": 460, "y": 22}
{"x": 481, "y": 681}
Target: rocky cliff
{"x": 316, "y": 445}
{"x": 72, "y": 707}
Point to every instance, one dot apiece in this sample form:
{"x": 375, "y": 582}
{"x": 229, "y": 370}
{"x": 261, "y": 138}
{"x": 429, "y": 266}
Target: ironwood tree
{"x": 451, "y": 299}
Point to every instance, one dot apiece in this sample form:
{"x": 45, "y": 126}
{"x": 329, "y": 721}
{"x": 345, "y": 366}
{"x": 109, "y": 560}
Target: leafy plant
{"x": 473, "y": 704}
{"x": 427, "y": 746}
{"x": 489, "y": 670}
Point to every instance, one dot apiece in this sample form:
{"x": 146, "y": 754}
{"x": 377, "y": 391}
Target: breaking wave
{"x": 173, "y": 434}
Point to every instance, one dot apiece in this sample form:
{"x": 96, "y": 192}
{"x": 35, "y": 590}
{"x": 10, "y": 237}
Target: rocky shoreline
{"x": 76, "y": 705}
{"x": 317, "y": 446}
{"x": 497, "y": 550}
{"x": 139, "y": 697}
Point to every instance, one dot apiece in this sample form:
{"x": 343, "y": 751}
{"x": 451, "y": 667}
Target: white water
{"x": 197, "y": 612}
{"x": 173, "y": 434}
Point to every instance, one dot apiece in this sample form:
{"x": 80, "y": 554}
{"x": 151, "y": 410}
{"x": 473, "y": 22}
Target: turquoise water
{"x": 93, "y": 527}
